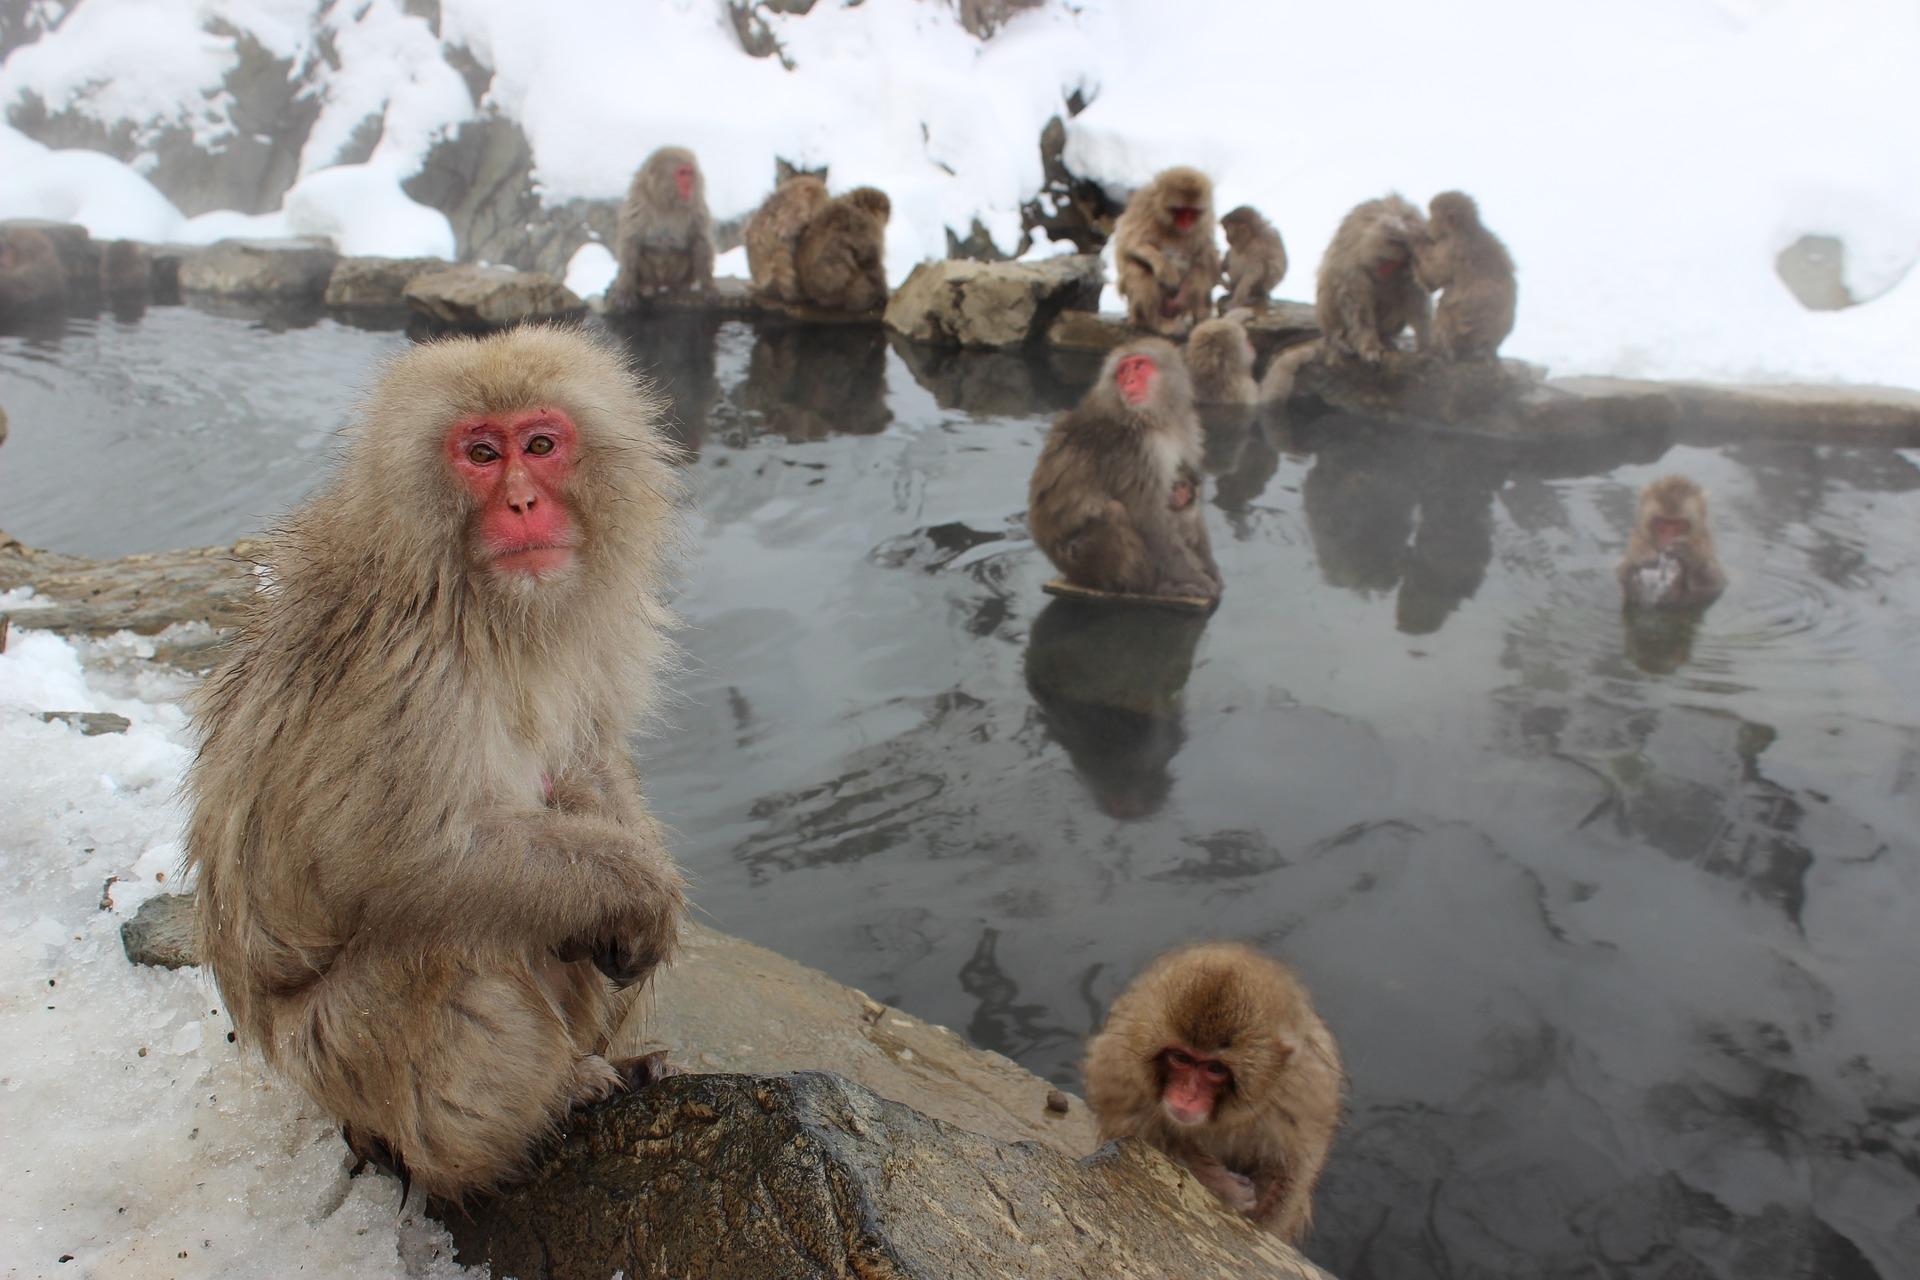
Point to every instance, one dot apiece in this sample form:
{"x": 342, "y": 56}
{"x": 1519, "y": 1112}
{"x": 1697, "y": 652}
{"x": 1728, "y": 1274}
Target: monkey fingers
{"x": 648, "y": 1068}
{"x": 1235, "y": 1190}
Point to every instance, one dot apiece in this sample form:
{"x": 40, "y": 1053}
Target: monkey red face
{"x": 1668, "y": 530}
{"x": 1193, "y": 1084}
{"x": 1135, "y": 376}
{"x": 1184, "y": 216}
{"x": 683, "y": 181}
{"x": 515, "y": 467}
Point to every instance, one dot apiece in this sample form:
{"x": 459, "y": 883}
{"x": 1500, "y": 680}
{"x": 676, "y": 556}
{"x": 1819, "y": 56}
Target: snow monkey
{"x": 1670, "y": 561}
{"x": 1220, "y": 362}
{"x": 773, "y": 233}
{"x": 1367, "y": 292}
{"x": 1115, "y": 496}
{"x": 664, "y": 239}
{"x": 1460, "y": 257}
{"x": 425, "y": 865}
{"x": 840, "y": 260}
{"x": 1255, "y": 262}
{"x": 1164, "y": 255}
{"x": 1215, "y": 1056}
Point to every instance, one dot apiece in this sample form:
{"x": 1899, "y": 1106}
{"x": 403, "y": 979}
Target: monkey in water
{"x": 31, "y": 274}
{"x": 840, "y": 262}
{"x": 1367, "y": 292}
{"x": 1670, "y": 561}
{"x": 1220, "y": 362}
{"x": 1115, "y": 496}
{"x": 1255, "y": 262}
{"x": 1474, "y": 273}
{"x": 425, "y": 865}
{"x": 1215, "y": 1056}
{"x": 773, "y": 233}
{"x": 1164, "y": 255}
{"x": 664, "y": 239}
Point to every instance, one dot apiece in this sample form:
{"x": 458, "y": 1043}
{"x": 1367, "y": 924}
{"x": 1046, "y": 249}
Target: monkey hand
{"x": 1235, "y": 1190}
{"x": 628, "y": 950}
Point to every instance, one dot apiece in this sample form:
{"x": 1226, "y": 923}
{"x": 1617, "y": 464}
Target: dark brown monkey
{"x": 1473, "y": 269}
{"x": 773, "y": 233}
{"x": 1164, "y": 255}
{"x": 1215, "y": 1056}
{"x": 1220, "y": 362}
{"x": 1255, "y": 262}
{"x": 1670, "y": 561}
{"x": 1367, "y": 292}
{"x": 664, "y": 240}
{"x": 1115, "y": 496}
{"x": 424, "y": 860}
{"x": 31, "y": 275}
{"x": 841, "y": 259}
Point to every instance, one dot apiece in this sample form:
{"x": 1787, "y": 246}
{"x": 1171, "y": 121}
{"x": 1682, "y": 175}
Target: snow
{"x": 138, "y": 1139}
{"x": 591, "y": 269}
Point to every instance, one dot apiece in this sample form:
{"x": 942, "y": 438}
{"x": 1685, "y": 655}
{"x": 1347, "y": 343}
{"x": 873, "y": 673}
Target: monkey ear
{"x": 1284, "y": 1047}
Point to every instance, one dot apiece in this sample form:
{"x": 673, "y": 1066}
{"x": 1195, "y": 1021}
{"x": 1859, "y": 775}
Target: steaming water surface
{"x": 1616, "y": 926}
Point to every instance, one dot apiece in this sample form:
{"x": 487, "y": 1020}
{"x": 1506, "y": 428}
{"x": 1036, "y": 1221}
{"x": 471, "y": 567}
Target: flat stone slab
{"x": 284, "y": 270}
{"x": 376, "y": 283}
{"x": 960, "y": 302}
{"x": 1282, "y": 325}
{"x": 1074, "y": 591}
{"x": 731, "y": 296}
{"x": 476, "y": 298}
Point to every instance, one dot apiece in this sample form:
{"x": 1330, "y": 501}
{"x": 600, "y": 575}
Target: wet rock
{"x": 472, "y": 297}
{"x": 126, "y": 270}
{"x": 277, "y": 270}
{"x": 1814, "y": 268}
{"x": 167, "y": 260}
{"x": 90, "y": 723}
{"x": 999, "y": 304}
{"x": 1879, "y": 417}
{"x": 376, "y": 283}
{"x": 808, "y": 1174}
{"x": 1280, "y": 326}
{"x": 161, "y": 932}
{"x": 79, "y": 255}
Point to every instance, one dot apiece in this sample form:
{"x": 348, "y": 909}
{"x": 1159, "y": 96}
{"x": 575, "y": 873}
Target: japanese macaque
{"x": 1255, "y": 262}
{"x": 664, "y": 239}
{"x": 1215, "y": 1056}
{"x": 1670, "y": 561}
{"x": 1276, "y": 384}
{"x": 1367, "y": 292}
{"x": 1164, "y": 255}
{"x": 1474, "y": 273}
{"x": 31, "y": 274}
{"x": 425, "y": 865}
{"x": 1220, "y": 362}
{"x": 840, "y": 261}
{"x": 773, "y": 234}
{"x": 1115, "y": 496}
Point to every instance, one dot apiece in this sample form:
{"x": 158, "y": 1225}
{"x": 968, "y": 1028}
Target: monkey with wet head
{"x": 664, "y": 239}
{"x": 773, "y": 235}
{"x": 1115, "y": 497}
{"x": 1220, "y": 362}
{"x": 1367, "y": 292}
{"x": 1473, "y": 272}
{"x": 1255, "y": 262}
{"x": 1164, "y": 255}
{"x": 428, "y": 882}
{"x": 1670, "y": 561}
{"x": 1216, "y": 1056}
{"x": 840, "y": 261}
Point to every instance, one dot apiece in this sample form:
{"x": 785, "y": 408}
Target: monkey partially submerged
{"x": 1216, "y": 1056}
{"x": 1670, "y": 561}
{"x": 424, "y": 861}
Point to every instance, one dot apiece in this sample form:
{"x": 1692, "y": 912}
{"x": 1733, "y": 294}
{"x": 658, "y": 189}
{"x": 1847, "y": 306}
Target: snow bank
{"x": 139, "y": 1141}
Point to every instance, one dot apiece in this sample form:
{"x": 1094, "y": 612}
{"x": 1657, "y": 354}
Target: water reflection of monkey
{"x": 1108, "y": 682}
{"x": 675, "y": 348}
{"x": 810, "y": 381}
{"x": 1240, "y": 457}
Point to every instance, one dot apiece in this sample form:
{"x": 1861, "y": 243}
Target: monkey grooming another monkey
{"x": 840, "y": 261}
{"x": 1255, "y": 262}
{"x": 424, "y": 861}
{"x": 1473, "y": 269}
{"x": 1670, "y": 561}
{"x": 1215, "y": 1056}
{"x": 31, "y": 275}
{"x": 1115, "y": 497}
{"x": 1367, "y": 292}
{"x": 664, "y": 239}
{"x": 773, "y": 234}
{"x": 1220, "y": 362}
{"x": 1164, "y": 255}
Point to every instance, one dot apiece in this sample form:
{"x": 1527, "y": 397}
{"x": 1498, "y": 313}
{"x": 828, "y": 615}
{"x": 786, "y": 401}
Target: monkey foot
{"x": 369, "y": 1149}
{"x": 648, "y": 1068}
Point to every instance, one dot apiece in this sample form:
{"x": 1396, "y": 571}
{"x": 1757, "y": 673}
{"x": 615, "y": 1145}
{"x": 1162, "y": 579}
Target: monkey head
{"x": 675, "y": 169}
{"x": 1673, "y": 511}
{"x": 1219, "y": 1038}
{"x": 1147, "y": 375}
{"x": 873, "y": 200}
{"x": 1454, "y": 211}
{"x": 1240, "y": 225}
{"x": 514, "y": 468}
{"x": 1185, "y": 199}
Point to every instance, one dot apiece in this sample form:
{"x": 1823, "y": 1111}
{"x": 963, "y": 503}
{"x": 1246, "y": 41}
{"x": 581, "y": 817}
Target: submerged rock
{"x": 479, "y": 298}
{"x": 161, "y": 932}
{"x": 735, "y": 1177}
{"x": 280, "y": 270}
{"x": 964, "y": 303}
{"x": 376, "y": 283}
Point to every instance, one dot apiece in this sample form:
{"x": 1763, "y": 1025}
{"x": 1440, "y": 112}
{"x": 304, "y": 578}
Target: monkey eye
{"x": 540, "y": 446}
{"x": 1217, "y": 1071}
{"x": 481, "y": 453}
{"x": 1179, "y": 1058}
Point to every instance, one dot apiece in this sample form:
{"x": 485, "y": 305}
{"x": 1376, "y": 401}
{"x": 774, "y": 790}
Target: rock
{"x": 79, "y": 255}
{"x": 740, "y": 1177}
{"x": 90, "y": 723}
{"x": 1058, "y": 1101}
{"x": 1067, "y": 207}
{"x": 161, "y": 932}
{"x": 277, "y": 270}
{"x": 476, "y": 298}
{"x": 1814, "y": 268}
{"x": 1006, "y": 383}
{"x": 991, "y": 304}
{"x": 167, "y": 260}
{"x": 376, "y": 282}
{"x": 126, "y": 270}
{"x": 1876, "y": 417}
{"x": 1281, "y": 325}
{"x": 984, "y": 17}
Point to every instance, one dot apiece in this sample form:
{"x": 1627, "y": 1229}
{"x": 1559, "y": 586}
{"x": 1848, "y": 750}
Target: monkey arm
{"x": 702, "y": 268}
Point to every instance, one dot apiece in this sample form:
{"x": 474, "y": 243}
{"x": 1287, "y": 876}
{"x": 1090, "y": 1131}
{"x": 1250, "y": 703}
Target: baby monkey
{"x": 1670, "y": 561}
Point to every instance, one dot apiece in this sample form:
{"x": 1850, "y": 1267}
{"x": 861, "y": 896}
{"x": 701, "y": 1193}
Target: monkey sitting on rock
{"x": 664, "y": 240}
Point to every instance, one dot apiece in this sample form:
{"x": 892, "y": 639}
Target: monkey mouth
{"x": 1184, "y": 1117}
{"x": 1184, "y": 217}
{"x": 535, "y": 559}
